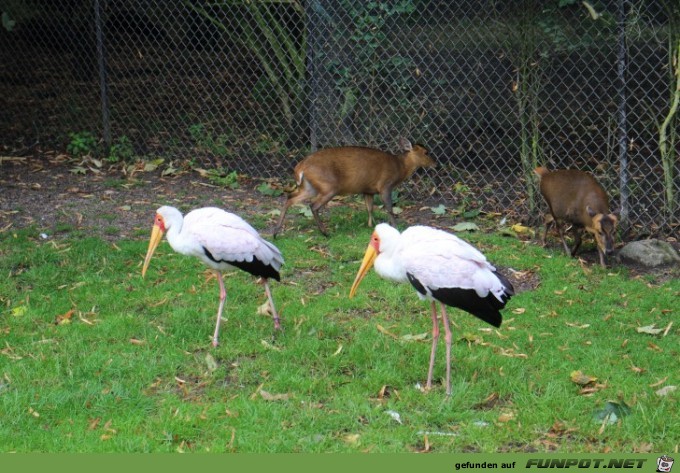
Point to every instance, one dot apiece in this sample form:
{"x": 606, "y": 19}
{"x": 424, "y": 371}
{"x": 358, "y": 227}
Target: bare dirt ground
{"x": 58, "y": 195}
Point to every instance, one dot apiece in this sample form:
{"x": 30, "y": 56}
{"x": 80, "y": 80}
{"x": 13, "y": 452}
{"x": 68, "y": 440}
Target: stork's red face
{"x": 371, "y": 254}
{"x": 156, "y": 235}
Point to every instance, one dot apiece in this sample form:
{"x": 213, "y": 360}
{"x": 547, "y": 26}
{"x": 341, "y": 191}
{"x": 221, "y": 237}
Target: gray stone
{"x": 649, "y": 253}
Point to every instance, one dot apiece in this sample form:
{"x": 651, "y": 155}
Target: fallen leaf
{"x": 668, "y": 328}
{"x": 306, "y": 211}
{"x": 394, "y": 415}
{"x": 168, "y": 171}
{"x": 64, "y": 319}
{"x": 643, "y": 447}
{"x": 387, "y": 391}
{"x": 591, "y": 389}
{"x": 659, "y": 382}
{"x": 20, "y": 310}
{"x": 519, "y": 310}
{"x": 426, "y": 445}
{"x": 511, "y": 353}
{"x": 230, "y": 445}
{"x": 414, "y": 338}
{"x": 569, "y": 324}
{"x": 264, "y": 309}
{"x": 489, "y": 403}
{"x": 465, "y": 227}
{"x": 649, "y": 329}
{"x": 439, "y": 210}
{"x": 506, "y": 417}
{"x": 522, "y": 230}
{"x": 471, "y": 338}
{"x": 666, "y": 390}
{"x": 594, "y": 14}
{"x": 93, "y": 423}
{"x": 383, "y": 330}
{"x": 560, "y": 430}
{"x": 269, "y": 346}
{"x": 210, "y": 362}
{"x": 267, "y": 190}
{"x": 611, "y": 412}
{"x": 255, "y": 393}
{"x": 582, "y": 379}
{"x": 351, "y": 439}
{"x": 267, "y": 396}
{"x": 153, "y": 165}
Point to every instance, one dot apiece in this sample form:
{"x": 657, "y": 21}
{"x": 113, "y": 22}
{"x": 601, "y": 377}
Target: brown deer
{"x": 348, "y": 170}
{"x": 575, "y": 197}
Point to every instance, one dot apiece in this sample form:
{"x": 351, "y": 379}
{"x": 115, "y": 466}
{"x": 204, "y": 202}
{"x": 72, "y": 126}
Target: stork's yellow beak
{"x": 369, "y": 257}
{"x": 156, "y": 236}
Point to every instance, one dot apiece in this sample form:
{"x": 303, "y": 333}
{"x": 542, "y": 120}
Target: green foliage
{"x": 82, "y": 143}
{"x": 223, "y": 178}
{"x": 439, "y": 210}
{"x": 668, "y": 134}
{"x": 121, "y": 150}
{"x": 266, "y": 189}
{"x": 371, "y": 75}
{"x": 272, "y": 41}
{"x": 7, "y": 22}
{"x": 85, "y": 144}
{"x": 267, "y": 144}
{"x": 208, "y": 143}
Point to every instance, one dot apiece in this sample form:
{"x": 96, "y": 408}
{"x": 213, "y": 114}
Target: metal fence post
{"x": 622, "y": 109}
{"x": 103, "y": 82}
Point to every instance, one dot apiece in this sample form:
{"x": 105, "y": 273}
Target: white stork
{"x": 441, "y": 267}
{"x": 222, "y": 241}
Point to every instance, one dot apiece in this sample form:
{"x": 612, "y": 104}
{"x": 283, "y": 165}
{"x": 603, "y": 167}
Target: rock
{"x": 649, "y": 253}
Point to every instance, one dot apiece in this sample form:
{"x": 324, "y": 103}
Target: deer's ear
{"x": 405, "y": 144}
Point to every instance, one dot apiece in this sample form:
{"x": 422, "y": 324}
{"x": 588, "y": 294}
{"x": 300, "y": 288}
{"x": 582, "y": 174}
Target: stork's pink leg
{"x": 275, "y": 315}
{"x": 447, "y": 337}
{"x": 223, "y": 297}
{"x": 435, "y": 339}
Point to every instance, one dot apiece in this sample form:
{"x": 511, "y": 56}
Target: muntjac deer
{"x": 575, "y": 197}
{"x": 350, "y": 170}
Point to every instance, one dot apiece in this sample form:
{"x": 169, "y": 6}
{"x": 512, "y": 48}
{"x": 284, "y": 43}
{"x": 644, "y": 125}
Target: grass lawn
{"x": 96, "y": 359}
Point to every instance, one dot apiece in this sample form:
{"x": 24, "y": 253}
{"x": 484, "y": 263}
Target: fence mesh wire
{"x": 492, "y": 88}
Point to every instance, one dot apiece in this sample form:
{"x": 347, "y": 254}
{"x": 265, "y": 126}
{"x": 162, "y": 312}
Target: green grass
{"x": 132, "y": 370}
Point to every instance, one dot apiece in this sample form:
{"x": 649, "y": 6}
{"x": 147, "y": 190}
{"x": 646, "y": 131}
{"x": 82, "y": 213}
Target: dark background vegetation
{"x": 492, "y": 88}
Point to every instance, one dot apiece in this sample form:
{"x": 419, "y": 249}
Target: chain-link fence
{"x": 491, "y": 88}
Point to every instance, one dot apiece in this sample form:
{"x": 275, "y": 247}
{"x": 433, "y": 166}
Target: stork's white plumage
{"x": 222, "y": 241}
{"x": 443, "y": 268}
